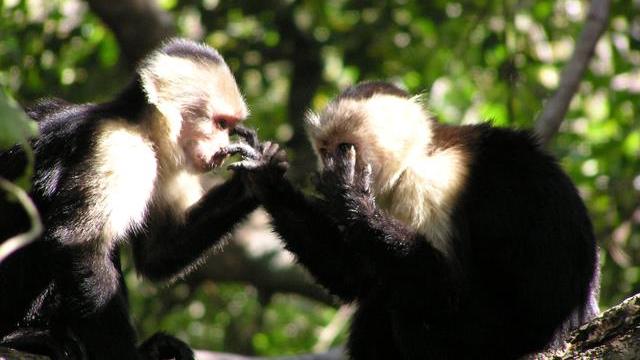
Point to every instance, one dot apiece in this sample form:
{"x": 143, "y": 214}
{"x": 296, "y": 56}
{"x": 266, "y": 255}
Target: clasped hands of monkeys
{"x": 344, "y": 184}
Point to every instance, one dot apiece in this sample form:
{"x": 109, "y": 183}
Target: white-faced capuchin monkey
{"x": 455, "y": 242}
{"x": 123, "y": 170}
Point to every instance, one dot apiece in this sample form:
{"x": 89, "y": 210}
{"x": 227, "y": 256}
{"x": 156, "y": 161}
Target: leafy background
{"x": 475, "y": 60}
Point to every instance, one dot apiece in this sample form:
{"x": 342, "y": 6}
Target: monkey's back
{"x": 65, "y": 130}
{"x": 530, "y": 249}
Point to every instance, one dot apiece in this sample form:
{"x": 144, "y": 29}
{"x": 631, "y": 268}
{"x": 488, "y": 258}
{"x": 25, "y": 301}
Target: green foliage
{"x": 473, "y": 60}
{"x": 229, "y": 317}
{"x": 16, "y": 128}
{"x": 49, "y": 48}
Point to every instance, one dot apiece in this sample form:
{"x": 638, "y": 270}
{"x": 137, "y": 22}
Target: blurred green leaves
{"x": 15, "y": 126}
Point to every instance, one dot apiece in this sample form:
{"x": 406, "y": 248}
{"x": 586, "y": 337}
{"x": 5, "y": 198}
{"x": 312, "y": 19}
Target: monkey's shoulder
{"x": 42, "y": 108}
{"x": 485, "y": 138}
{"x": 508, "y": 169}
{"x": 495, "y": 149}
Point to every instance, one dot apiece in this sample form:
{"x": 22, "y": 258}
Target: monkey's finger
{"x": 345, "y": 155}
{"x": 244, "y": 165}
{"x": 283, "y": 165}
{"x": 264, "y": 146}
{"x": 244, "y": 150}
{"x": 365, "y": 178}
{"x": 351, "y": 164}
{"x": 247, "y": 134}
{"x": 281, "y": 156}
{"x": 329, "y": 163}
{"x": 343, "y": 150}
{"x": 271, "y": 151}
{"x": 345, "y": 165}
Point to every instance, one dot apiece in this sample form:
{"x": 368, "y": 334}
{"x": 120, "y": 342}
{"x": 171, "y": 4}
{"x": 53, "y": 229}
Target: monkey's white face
{"x": 387, "y": 132}
{"x": 205, "y": 129}
{"x": 201, "y": 103}
{"x": 203, "y": 141}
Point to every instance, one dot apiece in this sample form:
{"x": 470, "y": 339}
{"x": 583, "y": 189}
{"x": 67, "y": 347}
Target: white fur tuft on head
{"x": 311, "y": 119}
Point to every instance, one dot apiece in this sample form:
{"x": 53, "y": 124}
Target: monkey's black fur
{"x": 45, "y": 304}
{"x": 523, "y": 263}
{"x": 367, "y": 89}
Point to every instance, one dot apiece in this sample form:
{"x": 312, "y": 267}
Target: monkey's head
{"x": 387, "y": 127}
{"x": 198, "y": 99}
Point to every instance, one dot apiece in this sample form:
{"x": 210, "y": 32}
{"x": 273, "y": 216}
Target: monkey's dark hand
{"x": 261, "y": 168}
{"x": 250, "y": 148}
{"x": 162, "y": 346}
{"x": 346, "y": 186}
{"x": 247, "y": 134}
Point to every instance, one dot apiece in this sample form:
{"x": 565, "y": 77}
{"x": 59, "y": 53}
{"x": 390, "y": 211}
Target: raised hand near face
{"x": 263, "y": 164}
{"x": 345, "y": 185}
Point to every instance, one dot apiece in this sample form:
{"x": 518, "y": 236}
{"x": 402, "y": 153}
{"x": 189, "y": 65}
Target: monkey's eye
{"x": 223, "y": 122}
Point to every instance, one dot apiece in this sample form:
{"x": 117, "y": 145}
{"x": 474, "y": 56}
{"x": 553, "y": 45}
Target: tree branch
{"x": 615, "y": 334}
{"x": 139, "y": 25}
{"x": 556, "y": 108}
{"x": 7, "y": 247}
{"x": 334, "y": 354}
{"x": 330, "y": 332}
{"x": 306, "y": 77}
{"x": 255, "y": 256}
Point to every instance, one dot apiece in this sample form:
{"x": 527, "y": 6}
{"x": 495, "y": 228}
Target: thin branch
{"x": 139, "y": 25}
{"x": 556, "y": 108}
{"x": 330, "y": 332}
{"x": 333, "y": 354}
{"x": 235, "y": 264}
{"x": 14, "y": 243}
{"x": 255, "y": 256}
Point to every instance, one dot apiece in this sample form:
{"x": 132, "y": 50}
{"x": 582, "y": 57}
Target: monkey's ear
{"x": 165, "y": 78}
{"x": 151, "y": 79}
{"x": 158, "y": 83}
{"x": 151, "y": 88}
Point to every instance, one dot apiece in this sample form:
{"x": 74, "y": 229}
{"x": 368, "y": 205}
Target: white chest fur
{"x": 126, "y": 173}
{"x": 426, "y": 193}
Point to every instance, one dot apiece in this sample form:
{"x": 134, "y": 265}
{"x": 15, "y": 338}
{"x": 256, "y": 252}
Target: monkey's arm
{"x": 306, "y": 227}
{"x": 169, "y": 246}
{"x": 317, "y": 241}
